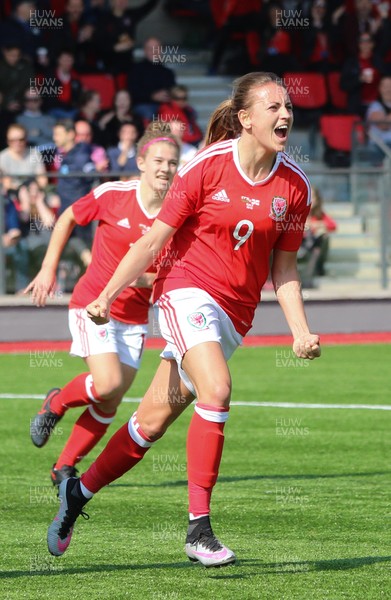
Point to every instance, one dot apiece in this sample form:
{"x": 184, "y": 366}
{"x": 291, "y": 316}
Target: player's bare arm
{"x": 143, "y": 253}
{"x": 43, "y": 285}
{"x": 287, "y": 285}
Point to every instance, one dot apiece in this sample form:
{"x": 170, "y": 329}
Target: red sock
{"x": 78, "y": 392}
{"x": 205, "y": 442}
{"x": 86, "y": 433}
{"x": 123, "y": 451}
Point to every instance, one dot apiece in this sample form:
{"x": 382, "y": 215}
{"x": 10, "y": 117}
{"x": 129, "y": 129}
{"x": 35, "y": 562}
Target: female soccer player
{"x": 125, "y": 211}
{"x": 234, "y": 203}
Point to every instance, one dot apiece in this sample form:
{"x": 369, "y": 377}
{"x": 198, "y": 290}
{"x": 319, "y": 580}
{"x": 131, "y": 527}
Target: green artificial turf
{"x": 303, "y": 496}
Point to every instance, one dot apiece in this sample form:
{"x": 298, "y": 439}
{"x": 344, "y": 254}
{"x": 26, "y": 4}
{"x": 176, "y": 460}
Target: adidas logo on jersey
{"x": 124, "y": 223}
{"x": 221, "y": 196}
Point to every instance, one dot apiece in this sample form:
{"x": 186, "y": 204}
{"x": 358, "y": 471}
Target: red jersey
{"x": 228, "y": 227}
{"x": 122, "y": 221}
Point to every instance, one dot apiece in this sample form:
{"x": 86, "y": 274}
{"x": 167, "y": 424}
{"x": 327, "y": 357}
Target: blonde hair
{"x": 224, "y": 123}
{"x": 157, "y": 131}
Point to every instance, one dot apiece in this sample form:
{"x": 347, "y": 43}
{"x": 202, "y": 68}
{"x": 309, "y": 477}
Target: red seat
{"x": 306, "y": 90}
{"x": 121, "y": 81}
{"x": 338, "y": 98}
{"x": 102, "y": 83}
{"x": 337, "y": 131}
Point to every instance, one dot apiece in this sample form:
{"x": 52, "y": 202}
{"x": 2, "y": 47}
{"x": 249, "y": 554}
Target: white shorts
{"x": 190, "y": 316}
{"x": 89, "y": 339}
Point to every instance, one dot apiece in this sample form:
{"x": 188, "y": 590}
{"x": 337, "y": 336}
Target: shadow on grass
{"x": 50, "y": 569}
{"x": 298, "y": 567}
{"x": 336, "y": 564}
{"x": 230, "y": 572}
{"x": 233, "y": 479}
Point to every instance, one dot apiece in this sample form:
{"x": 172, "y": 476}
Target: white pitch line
{"x": 236, "y": 403}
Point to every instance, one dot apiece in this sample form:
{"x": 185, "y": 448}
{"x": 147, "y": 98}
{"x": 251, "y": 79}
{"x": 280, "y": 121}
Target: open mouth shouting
{"x": 282, "y": 133}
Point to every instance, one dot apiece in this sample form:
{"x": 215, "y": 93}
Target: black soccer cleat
{"x": 204, "y": 547}
{"x": 45, "y": 421}
{"x": 72, "y": 502}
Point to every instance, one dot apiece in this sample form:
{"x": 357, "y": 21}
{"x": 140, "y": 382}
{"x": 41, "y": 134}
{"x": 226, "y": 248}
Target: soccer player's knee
{"x": 216, "y": 394}
{"x": 153, "y": 428}
{"x": 109, "y": 389}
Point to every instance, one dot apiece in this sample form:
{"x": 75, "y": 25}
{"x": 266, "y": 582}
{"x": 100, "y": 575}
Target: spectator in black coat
{"x": 22, "y": 28}
{"x": 64, "y": 85}
{"x": 116, "y": 32}
{"x": 361, "y": 76}
{"x": 16, "y": 75}
{"x": 78, "y": 34}
{"x": 121, "y": 113}
{"x": 150, "y": 81}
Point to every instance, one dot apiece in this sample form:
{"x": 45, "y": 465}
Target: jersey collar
{"x": 235, "y": 151}
{"x": 141, "y": 205}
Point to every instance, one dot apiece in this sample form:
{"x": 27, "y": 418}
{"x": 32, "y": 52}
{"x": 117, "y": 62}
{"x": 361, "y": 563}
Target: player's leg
{"x": 203, "y": 339}
{"x": 90, "y": 340}
{"x": 111, "y": 381}
{"x": 205, "y": 443}
{"x": 167, "y": 397}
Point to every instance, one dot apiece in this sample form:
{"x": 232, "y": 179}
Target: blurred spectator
{"x": 16, "y": 75}
{"x": 22, "y": 29}
{"x": 12, "y": 247}
{"x": 17, "y": 161}
{"x": 122, "y": 112}
{"x": 316, "y": 47}
{"x": 89, "y": 110}
{"x": 34, "y": 213}
{"x": 187, "y": 151}
{"x": 150, "y": 81}
{"x": 83, "y": 134}
{"x": 123, "y": 156}
{"x": 361, "y": 75}
{"x": 39, "y": 126}
{"x": 379, "y": 118}
{"x": 276, "y": 53}
{"x": 37, "y": 215}
{"x": 6, "y": 119}
{"x": 63, "y": 102}
{"x": 73, "y": 158}
{"x": 350, "y": 23}
{"x": 178, "y": 109}
{"x": 315, "y": 245}
{"x": 78, "y": 35}
{"x": 116, "y": 32}
{"x": 383, "y": 34}
{"x": 236, "y": 19}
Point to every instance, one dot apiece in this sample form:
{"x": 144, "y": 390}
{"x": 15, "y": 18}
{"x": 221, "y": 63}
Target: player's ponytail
{"x": 224, "y": 123}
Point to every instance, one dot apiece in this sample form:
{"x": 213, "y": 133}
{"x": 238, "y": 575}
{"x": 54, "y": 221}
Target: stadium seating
{"x": 337, "y": 131}
{"x": 307, "y": 91}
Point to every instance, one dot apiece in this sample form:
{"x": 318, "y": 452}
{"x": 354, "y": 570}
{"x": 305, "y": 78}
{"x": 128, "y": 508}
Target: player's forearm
{"x": 287, "y": 286}
{"x": 60, "y": 235}
{"x": 291, "y": 301}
